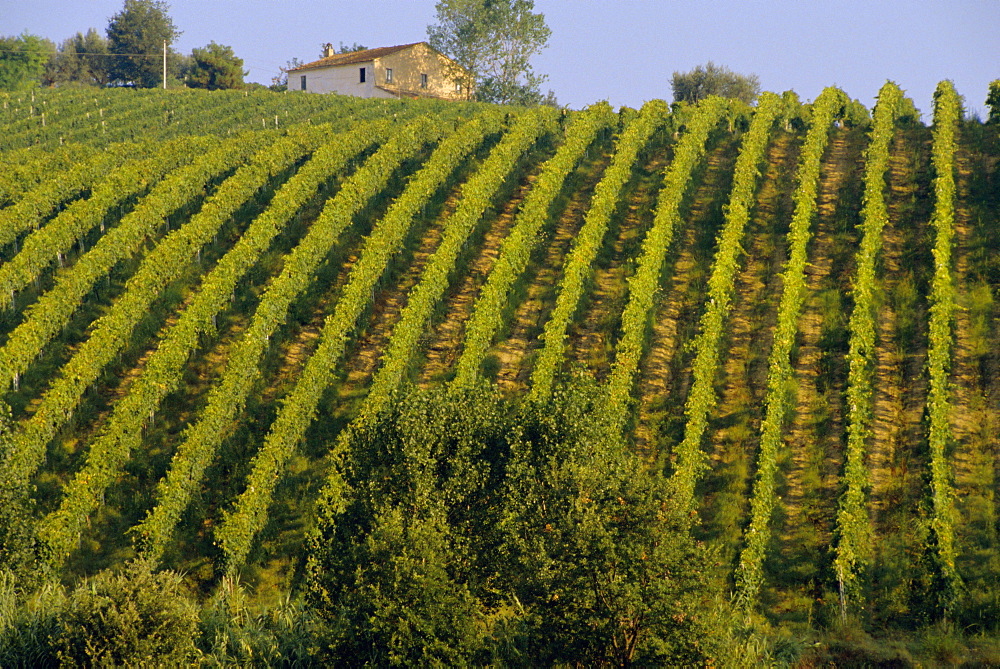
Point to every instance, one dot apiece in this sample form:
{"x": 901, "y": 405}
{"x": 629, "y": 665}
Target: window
{"x": 362, "y": 75}
{"x": 388, "y": 75}
{"x": 423, "y": 81}
{"x": 302, "y": 81}
{"x": 458, "y": 86}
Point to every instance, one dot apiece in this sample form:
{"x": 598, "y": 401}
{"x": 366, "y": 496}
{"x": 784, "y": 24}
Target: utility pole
{"x": 164, "y": 64}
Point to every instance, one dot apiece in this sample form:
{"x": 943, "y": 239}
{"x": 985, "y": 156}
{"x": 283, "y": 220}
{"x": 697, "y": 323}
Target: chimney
{"x": 327, "y": 50}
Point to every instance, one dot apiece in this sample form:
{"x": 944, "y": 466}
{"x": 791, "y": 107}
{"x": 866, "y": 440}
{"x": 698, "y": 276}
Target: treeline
{"x": 135, "y": 51}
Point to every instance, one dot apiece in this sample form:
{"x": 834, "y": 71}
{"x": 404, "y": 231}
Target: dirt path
{"x": 446, "y": 340}
{"x": 683, "y": 292}
{"x": 974, "y": 418}
{"x": 514, "y": 352}
{"x": 896, "y": 464}
{"x": 732, "y": 437}
{"x": 815, "y": 434}
{"x": 592, "y": 336}
{"x": 360, "y": 362}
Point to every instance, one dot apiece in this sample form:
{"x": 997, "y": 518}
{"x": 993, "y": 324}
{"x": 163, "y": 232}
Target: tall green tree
{"x": 81, "y": 59}
{"x": 136, "y": 34}
{"x": 22, "y": 61}
{"x": 467, "y": 530}
{"x": 215, "y": 67}
{"x": 993, "y": 101}
{"x": 494, "y": 40}
{"x": 712, "y": 79}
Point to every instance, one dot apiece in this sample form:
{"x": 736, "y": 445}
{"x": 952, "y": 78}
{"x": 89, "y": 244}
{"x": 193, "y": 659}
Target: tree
{"x": 352, "y": 48}
{"x": 494, "y": 41}
{"x": 22, "y": 61}
{"x": 81, "y": 59}
{"x": 215, "y": 67}
{"x": 137, "y": 34}
{"x": 712, "y": 79}
{"x": 280, "y": 81}
{"x": 993, "y": 101}
{"x": 468, "y": 530}
{"x": 602, "y": 559}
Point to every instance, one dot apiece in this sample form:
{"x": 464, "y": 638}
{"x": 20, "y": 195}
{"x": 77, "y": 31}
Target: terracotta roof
{"x": 354, "y": 57}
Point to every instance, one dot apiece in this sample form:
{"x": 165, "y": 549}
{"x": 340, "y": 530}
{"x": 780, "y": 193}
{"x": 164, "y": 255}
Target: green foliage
{"x": 242, "y": 523}
{"x": 947, "y": 115}
{"x": 578, "y": 265}
{"x": 22, "y": 61}
{"x": 53, "y": 310}
{"x": 136, "y": 34}
{"x": 855, "y": 114}
{"x": 17, "y": 541}
{"x": 644, "y": 283}
{"x": 855, "y": 544}
{"x": 215, "y": 67}
{"x": 993, "y": 101}
{"x": 393, "y": 564}
{"x": 165, "y": 367}
{"x": 81, "y": 60}
{"x": 524, "y": 237}
{"x": 690, "y": 459}
{"x": 37, "y": 204}
{"x": 131, "y": 618}
{"x": 466, "y": 530}
{"x": 28, "y": 623}
{"x": 494, "y": 41}
{"x": 712, "y": 79}
{"x": 749, "y": 573}
{"x": 112, "y": 331}
{"x": 130, "y": 180}
{"x": 109, "y": 454}
{"x": 236, "y": 633}
{"x": 608, "y": 573}
{"x": 476, "y": 196}
{"x": 350, "y": 48}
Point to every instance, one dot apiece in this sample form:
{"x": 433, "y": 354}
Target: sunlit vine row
{"x": 161, "y": 266}
{"x": 643, "y": 286}
{"x": 524, "y": 237}
{"x": 51, "y": 313}
{"x": 579, "y": 263}
{"x": 854, "y": 529}
{"x": 690, "y": 459}
{"x": 131, "y": 179}
{"x": 947, "y": 114}
{"x": 41, "y": 202}
{"x": 226, "y": 399}
{"x": 25, "y": 169}
{"x": 749, "y": 571}
{"x": 248, "y": 515}
{"x": 476, "y": 195}
{"x": 109, "y": 454}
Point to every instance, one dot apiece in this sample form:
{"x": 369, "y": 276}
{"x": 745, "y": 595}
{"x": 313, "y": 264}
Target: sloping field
{"x": 790, "y": 307}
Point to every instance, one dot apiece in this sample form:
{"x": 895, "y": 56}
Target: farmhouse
{"x": 408, "y": 70}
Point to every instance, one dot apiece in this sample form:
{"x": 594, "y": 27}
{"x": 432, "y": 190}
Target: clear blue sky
{"x": 624, "y": 51}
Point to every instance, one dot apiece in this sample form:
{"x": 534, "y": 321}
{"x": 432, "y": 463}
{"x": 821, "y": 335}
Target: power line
{"x": 85, "y": 53}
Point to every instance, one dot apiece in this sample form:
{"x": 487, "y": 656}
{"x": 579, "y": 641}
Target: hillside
{"x": 790, "y": 309}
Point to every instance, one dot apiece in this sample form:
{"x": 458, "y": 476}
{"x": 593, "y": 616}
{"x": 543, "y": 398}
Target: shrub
{"x": 129, "y": 618}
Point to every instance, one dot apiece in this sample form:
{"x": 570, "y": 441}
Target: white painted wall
{"x": 345, "y": 79}
{"x": 407, "y": 66}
